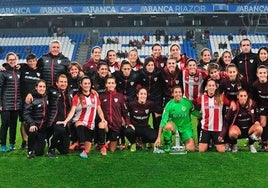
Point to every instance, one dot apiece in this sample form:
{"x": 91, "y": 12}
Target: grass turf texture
{"x": 138, "y": 169}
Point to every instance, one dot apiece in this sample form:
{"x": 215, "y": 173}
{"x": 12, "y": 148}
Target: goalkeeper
{"x": 177, "y": 116}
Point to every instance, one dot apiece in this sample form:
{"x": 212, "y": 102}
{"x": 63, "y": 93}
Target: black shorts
{"x": 244, "y": 132}
{"x": 206, "y": 136}
{"x": 89, "y": 134}
{"x": 264, "y": 111}
{"x": 113, "y": 135}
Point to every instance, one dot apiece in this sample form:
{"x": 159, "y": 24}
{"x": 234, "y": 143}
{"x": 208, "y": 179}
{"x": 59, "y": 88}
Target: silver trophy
{"x": 178, "y": 148}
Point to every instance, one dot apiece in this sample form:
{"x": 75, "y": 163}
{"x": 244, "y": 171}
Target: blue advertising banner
{"x": 136, "y": 9}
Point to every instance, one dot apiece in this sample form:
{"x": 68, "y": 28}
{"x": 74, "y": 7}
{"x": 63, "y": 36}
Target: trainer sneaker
{"x": 30, "y": 155}
{"x": 133, "y": 147}
{"x": 103, "y": 150}
{"x": 51, "y": 153}
{"x": 158, "y": 150}
{"x": 12, "y": 147}
{"x": 254, "y": 137}
{"x": 83, "y": 155}
{"x": 234, "y": 148}
{"x": 73, "y": 146}
{"x": 252, "y": 148}
{"x": 4, "y": 149}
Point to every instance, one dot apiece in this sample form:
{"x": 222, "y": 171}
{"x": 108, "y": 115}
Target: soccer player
{"x": 243, "y": 122}
{"x": 159, "y": 59}
{"x": 35, "y": 115}
{"x": 211, "y": 105}
{"x": 91, "y": 65}
{"x": 175, "y": 52}
{"x": 140, "y": 111}
{"x": 114, "y": 108}
{"x": 172, "y": 77}
{"x": 177, "y": 116}
{"x": 10, "y": 100}
{"x": 151, "y": 78}
{"x": 30, "y": 73}
{"x": 85, "y": 106}
{"x": 260, "y": 95}
{"x": 193, "y": 79}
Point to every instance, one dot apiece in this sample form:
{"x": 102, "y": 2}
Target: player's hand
{"x": 33, "y": 128}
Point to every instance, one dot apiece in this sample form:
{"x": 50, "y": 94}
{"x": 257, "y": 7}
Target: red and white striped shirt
{"x": 212, "y": 119}
{"x": 86, "y": 109}
{"x": 192, "y": 84}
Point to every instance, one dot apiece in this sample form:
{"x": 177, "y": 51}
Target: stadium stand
{"x": 38, "y": 44}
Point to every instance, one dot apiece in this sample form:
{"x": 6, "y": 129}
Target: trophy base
{"x": 178, "y": 150}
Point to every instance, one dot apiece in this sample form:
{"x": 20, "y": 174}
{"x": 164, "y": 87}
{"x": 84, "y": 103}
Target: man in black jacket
{"x": 246, "y": 62}
{"x": 53, "y": 63}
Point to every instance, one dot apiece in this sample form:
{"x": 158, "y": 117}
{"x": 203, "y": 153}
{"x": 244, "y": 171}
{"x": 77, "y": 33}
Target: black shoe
{"x": 30, "y": 155}
{"x": 24, "y": 145}
{"x": 51, "y": 153}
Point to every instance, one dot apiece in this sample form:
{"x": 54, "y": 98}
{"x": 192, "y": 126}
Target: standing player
{"x": 177, "y": 116}
{"x": 53, "y": 63}
{"x": 193, "y": 79}
{"x": 10, "y": 100}
{"x": 260, "y": 95}
{"x": 247, "y": 62}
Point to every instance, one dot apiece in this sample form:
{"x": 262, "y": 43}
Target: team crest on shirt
{"x": 240, "y": 62}
{"x": 59, "y": 61}
{"x": 104, "y": 100}
{"x": 115, "y": 99}
{"x": 131, "y": 83}
{"x": 252, "y": 111}
{"x": 177, "y": 82}
{"x": 183, "y": 108}
{"x": 196, "y": 79}
{"x": 147, "y": 111}
{"x": 155, "y": 79}
{"x": 251, "y": 60}
{"x": 162, "y": 64}
{"x": 38, "y": 74}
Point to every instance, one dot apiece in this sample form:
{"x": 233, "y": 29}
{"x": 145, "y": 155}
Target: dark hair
{"x": 139, "y": 89}
{"x": 107, "y": 58}
{"x": 212, "y": 66}
{"x": 102, "y": 62}
{"x": 95, "y": 47}
{"x": 177, "y": 87}
{"x": 245, "y": 39}
{"x": 110, "y": 77}
{"x": 262, "y": 48}
{"x": 147, "y": 60}
{"x": 156, "y": 44}
{"x": 30, "y": 57}
{"x": 217, "y": 95}
{"x": 124, "y": 62}
{"x": 190, "y": 59}
{"x": 39, "y": 81}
